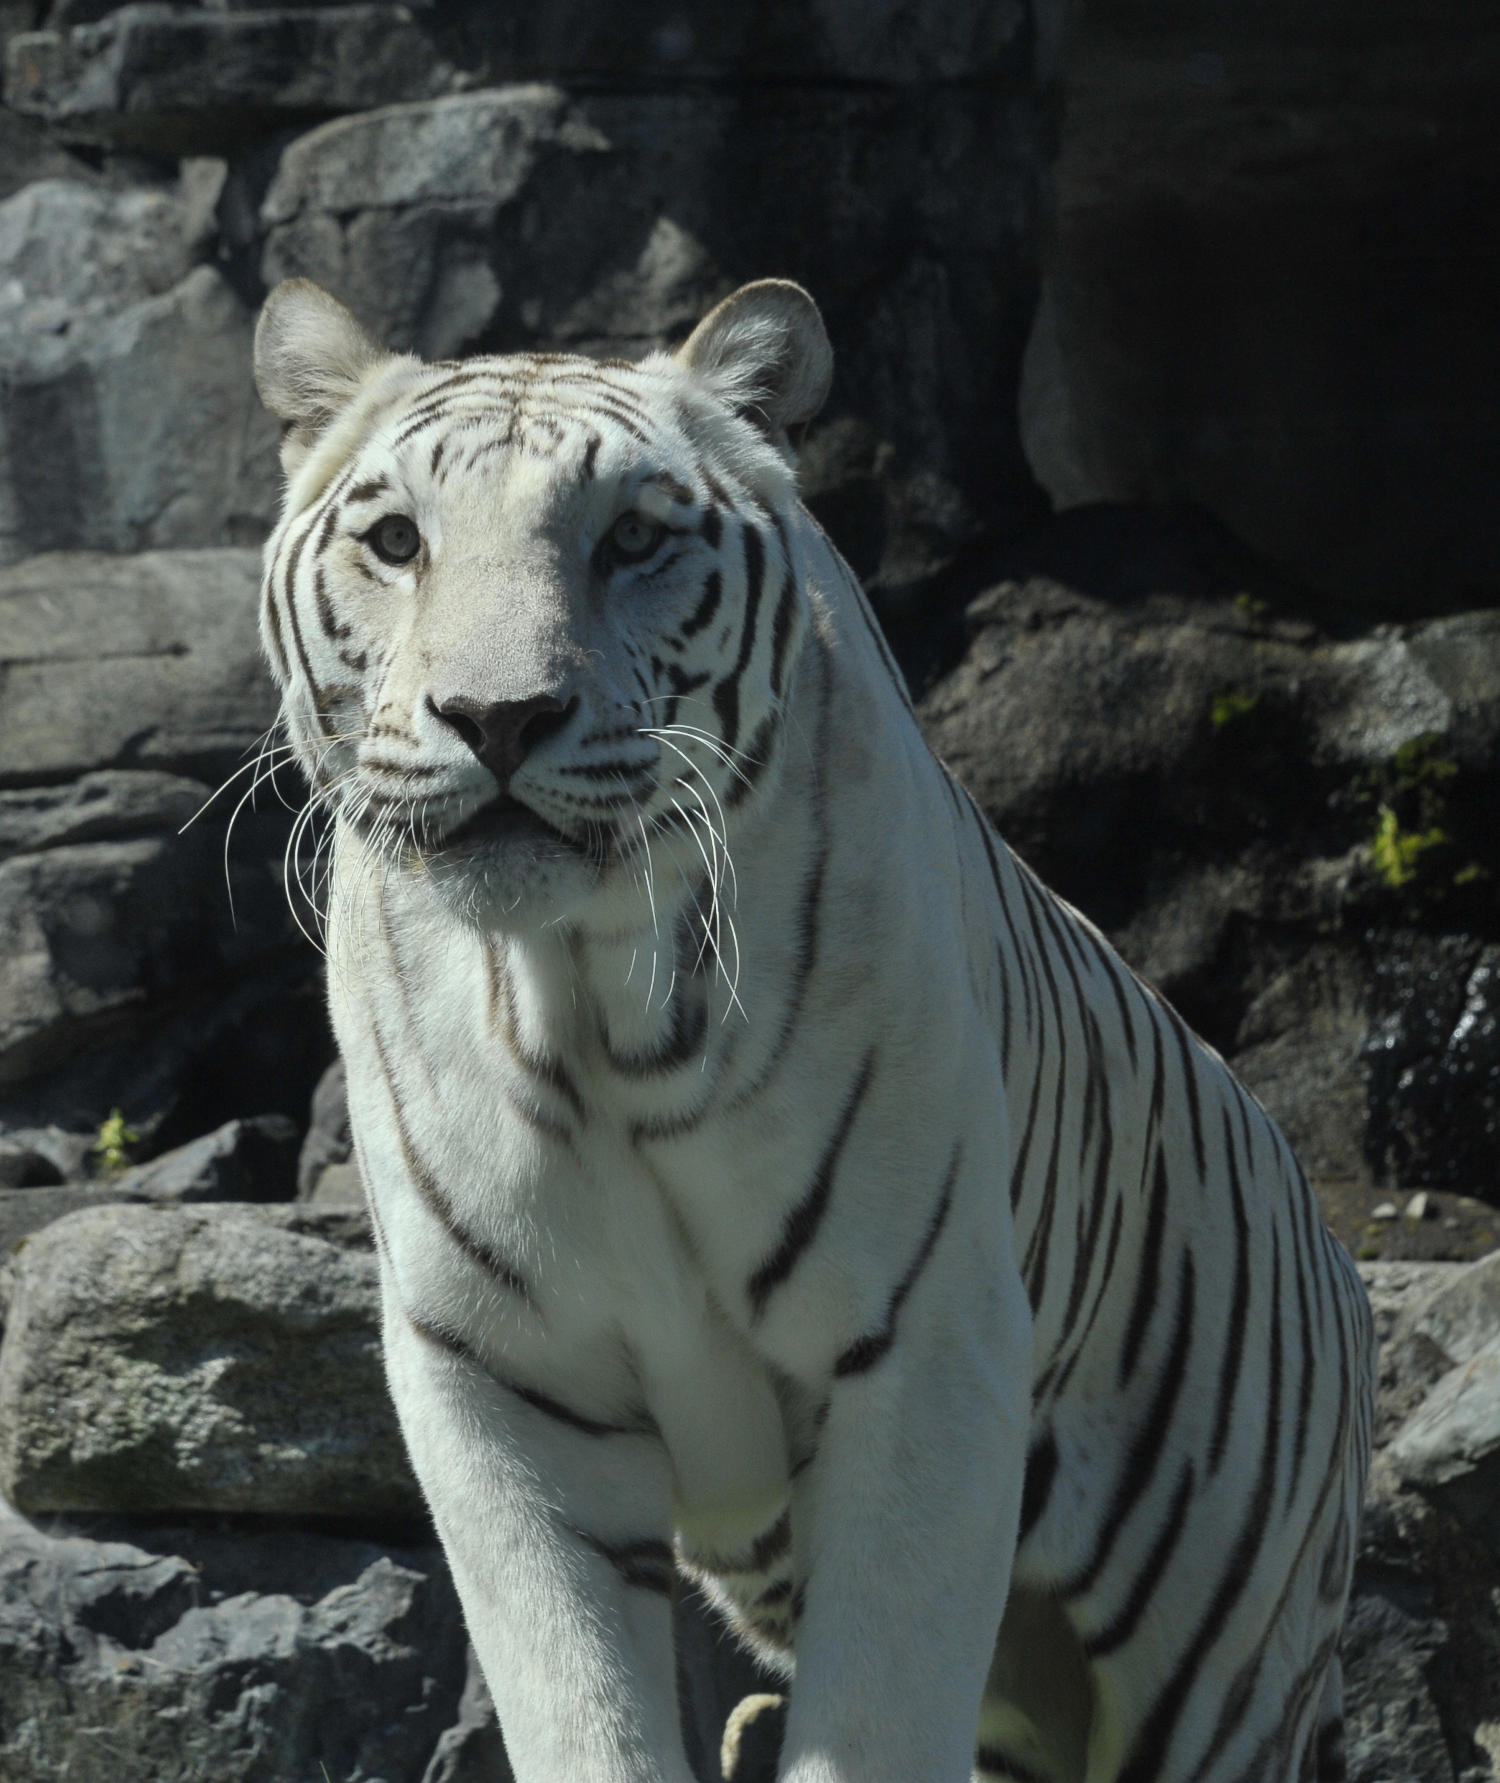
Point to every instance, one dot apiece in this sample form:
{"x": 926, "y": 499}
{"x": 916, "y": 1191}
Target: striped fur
{"x": 771, "y": 1178}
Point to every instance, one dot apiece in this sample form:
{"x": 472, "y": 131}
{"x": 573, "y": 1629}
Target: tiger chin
{"x": 774, "y": 1185}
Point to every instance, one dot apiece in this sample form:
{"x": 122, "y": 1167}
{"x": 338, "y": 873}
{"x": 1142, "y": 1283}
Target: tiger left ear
{"x": 311, "y": 358}
{"x": 766, "y": 352}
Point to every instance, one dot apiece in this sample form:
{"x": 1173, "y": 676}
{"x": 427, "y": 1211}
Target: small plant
{"x": 1224, "y": 708}
{"x": 1397, "y": 853}
{"x": 1249, "y": 606}
{"x": 112, "y": 1147}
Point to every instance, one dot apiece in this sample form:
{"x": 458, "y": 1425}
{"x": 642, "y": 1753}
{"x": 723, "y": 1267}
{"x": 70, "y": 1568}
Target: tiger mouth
{"x": 504, "y": 819}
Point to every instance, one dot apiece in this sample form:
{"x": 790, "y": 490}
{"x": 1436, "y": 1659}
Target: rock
{"x": 472, "y": 1749}
{"x": 23, "y": 1167}
{"x": 146, "y": 662}
{"x": 93, "y": 457}
{"x": 328, "y": 1141}
{"x": 172, "y": 80}
{"x": 1392, "y": 1726}
{"x": 141, "y": 242}
{"x": 1241, "y": 296}
{"x": 27, "y": 150}
{"x": 1454, "y": 1321}
{"x": 1449, "y": 1448}
{"x": 93, "y": 933}
{"x": 174, "y": 1656}
{"x": 1134, "y": 750}
{"x": 1387, "y": 1210}
{"x": 96, "y": 808}
{"x": 251, "y": 1160}
{"x": 204, "y": 1359}
{"x": 1420, "y": 1206}
{"x": 518, "y": 217}
{"x": 833, "y": 41}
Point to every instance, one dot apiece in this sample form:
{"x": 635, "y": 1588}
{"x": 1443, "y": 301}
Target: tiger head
{"x": 534, "y": 614}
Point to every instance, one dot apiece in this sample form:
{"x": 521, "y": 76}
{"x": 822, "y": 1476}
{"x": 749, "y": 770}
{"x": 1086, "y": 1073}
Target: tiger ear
{"x": 311, "y": 357}
{"x": 765, "y": 351}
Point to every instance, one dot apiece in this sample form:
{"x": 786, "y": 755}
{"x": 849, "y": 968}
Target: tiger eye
{"x": 634, "y": 537}
{"x": 395, "y": 539}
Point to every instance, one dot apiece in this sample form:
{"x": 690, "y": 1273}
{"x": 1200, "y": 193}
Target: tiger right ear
{"x": 311, "y": 357}
{"x": 765, "y": 350}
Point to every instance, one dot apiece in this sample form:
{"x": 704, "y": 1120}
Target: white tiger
{"x": 761, "y": 1160}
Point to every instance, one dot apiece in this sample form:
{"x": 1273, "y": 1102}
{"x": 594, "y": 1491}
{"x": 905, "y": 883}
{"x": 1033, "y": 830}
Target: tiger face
{"x": 532, "y": 615}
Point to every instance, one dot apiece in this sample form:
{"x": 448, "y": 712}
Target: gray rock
{"x": 1459, "y": 1317}
{"x": 251, "y": 1160}
{"x": 96, "y": 808}
{"x": 164, "y": 1359}
{"x": 122, "y": 662}
{"x": 328, "y": 1141}
{"x": 1135, "y": 750}
{"x": 175, "y": 1656}
{"x": 178, "y": 81}
{"x": 1393, "y": 1728}
{"x": 1449, "y": 1448}
{"x": 140, "y": 242}
{"x": 93, "y": 454}
{"x": 472, "y": 1749}
{"x": 518, "y": 217}
{"x": 94, "y": 934}
{"x": 27, "y": 150}
{"x": 24, "y": 1167}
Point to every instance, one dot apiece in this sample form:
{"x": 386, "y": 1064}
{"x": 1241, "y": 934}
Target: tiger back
{"x": 773, "y": 1183}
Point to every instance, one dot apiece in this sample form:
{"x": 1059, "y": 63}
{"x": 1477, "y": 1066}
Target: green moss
{"x": 1224, "y": 708}
{"x": 1248, "y": 606}
{"x": 112, "y": 1147}
{"x": 1397, "y": 853}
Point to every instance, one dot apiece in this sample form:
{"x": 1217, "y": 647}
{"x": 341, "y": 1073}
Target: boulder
{"x": 1288, "y": 827}
{"x": 170, "y": 1656}
{"x": 168, "y": 1358}
{"x": 328, "y": 1142}
{"x": 141, "y": 240}
{"x": 1449, "y": 1448}
{"x": 138, "y": 428}
{"x": 250, "y": 1160}
{"x": 519, "y": 217}
{"x": 179, "y": 80}
{"x": 99, "y": 807}
{"x": 147, "y": 662}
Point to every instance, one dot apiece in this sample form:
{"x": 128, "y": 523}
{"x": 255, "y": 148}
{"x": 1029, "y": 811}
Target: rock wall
{"x": 213, "y": 1560}
{"x": 1272, "y": 282}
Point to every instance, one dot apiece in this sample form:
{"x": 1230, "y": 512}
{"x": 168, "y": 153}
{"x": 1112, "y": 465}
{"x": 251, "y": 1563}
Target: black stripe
{"x": 865, "y": 1352}
{"x": 768, "y": 1546}
{"x": 647, "y": 1562}
{"x": 1148, "y": 1755}
{"x": 800, "y": 1226}
{"x": 434, "y": 1198}
{"x": 996, "y": 1763}
{"x": 1190, "y": 1078}
{"x": 726, "y": 696}
{"x": 1239, "y": 1305}
{"x": 442, "y": 1338}
{"x": 689, "y": 1027}
{"x": 1150, "y": 1440}
{"x": 370, "y": 488}
{"x": 781, "y": 631}
{"x": 1148, "y": 1271}
{"x": 332, "y": 626}
{"x": 1122, "y": 1625}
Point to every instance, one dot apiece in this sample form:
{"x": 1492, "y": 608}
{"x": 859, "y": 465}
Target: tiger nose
{"x": 502, "y": 733}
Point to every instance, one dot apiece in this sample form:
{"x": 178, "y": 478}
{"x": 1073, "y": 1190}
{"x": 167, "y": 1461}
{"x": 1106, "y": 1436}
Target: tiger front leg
{"x": 557, "y": 1529}
{"x": 906, "y": 1525}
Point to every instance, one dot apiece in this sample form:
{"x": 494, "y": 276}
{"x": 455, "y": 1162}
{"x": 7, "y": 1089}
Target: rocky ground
{"x": 213, "y": 1560}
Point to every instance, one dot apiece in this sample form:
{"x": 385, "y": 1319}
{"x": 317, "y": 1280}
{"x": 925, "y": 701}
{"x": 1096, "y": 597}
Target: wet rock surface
{"x": 1288, "y": 824}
